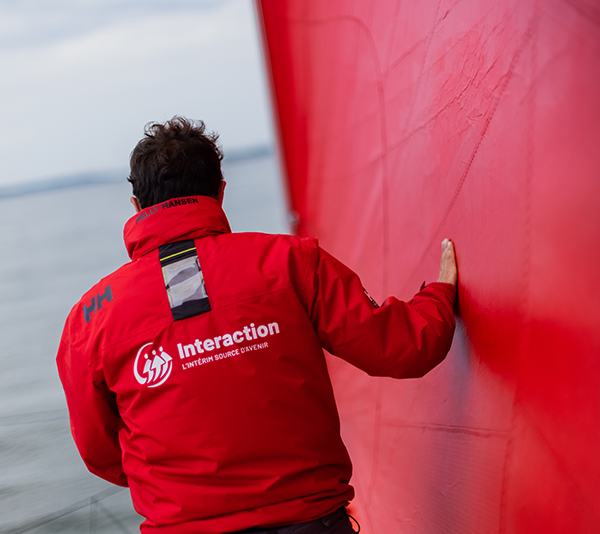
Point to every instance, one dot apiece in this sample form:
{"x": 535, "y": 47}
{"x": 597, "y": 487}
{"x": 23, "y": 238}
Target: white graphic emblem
{"x": 156, "y": 368}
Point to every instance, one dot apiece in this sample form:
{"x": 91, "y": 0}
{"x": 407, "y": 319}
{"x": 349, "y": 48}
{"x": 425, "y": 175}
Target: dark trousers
{"x": 335, "y": 523}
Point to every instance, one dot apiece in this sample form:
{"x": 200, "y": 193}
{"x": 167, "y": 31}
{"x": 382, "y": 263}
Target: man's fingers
{"x": 448, "y": 269}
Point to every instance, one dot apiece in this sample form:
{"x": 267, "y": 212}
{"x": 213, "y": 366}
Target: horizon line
{"x": 110, "y": 175}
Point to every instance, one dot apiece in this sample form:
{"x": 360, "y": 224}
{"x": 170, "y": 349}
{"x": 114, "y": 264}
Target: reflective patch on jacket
{"x": 184, "y": 281}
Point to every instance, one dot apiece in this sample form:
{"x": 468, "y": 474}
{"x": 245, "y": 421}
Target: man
{"x": 195, "y": 373}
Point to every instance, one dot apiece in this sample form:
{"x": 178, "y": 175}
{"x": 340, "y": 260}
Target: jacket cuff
{"x": 447, "y": 289}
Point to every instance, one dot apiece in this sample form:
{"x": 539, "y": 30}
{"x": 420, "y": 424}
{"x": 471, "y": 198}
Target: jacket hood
{"x": 174, "y": 220}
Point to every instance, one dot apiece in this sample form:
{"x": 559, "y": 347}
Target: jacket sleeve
{"x": 399, "y": 339}
{"x": 93, "y": 414}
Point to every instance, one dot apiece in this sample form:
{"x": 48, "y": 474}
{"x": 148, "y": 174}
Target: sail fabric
{"x": 400, "y": 124}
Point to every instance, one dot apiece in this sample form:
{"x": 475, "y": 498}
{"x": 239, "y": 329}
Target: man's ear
{"x": 136, "y": 204}
{"x": 221, "y": 192}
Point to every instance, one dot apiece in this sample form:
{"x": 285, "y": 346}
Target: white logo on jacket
{"x": 154, "y": 369}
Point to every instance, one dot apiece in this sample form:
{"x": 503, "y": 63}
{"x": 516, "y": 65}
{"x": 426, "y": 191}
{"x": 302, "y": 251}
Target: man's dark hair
{"x": 175, "y": 159}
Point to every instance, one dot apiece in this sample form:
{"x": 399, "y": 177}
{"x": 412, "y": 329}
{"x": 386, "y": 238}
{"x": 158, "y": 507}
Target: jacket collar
{"x": 174, "y": 220}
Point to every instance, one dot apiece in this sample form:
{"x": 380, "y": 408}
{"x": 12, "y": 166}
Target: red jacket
{"x": 217, "y": 411}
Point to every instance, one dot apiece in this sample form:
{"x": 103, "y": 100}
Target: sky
{"x": 79, "y": 79}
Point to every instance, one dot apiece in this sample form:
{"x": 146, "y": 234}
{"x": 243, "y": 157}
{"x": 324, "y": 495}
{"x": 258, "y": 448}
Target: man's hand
{"x": 448, "y": 270}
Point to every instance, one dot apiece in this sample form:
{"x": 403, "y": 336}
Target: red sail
{"x": 402, "y": 123}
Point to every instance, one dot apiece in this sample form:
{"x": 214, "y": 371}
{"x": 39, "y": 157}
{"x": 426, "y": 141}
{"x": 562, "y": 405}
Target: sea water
{"x": 53, "y": 247}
